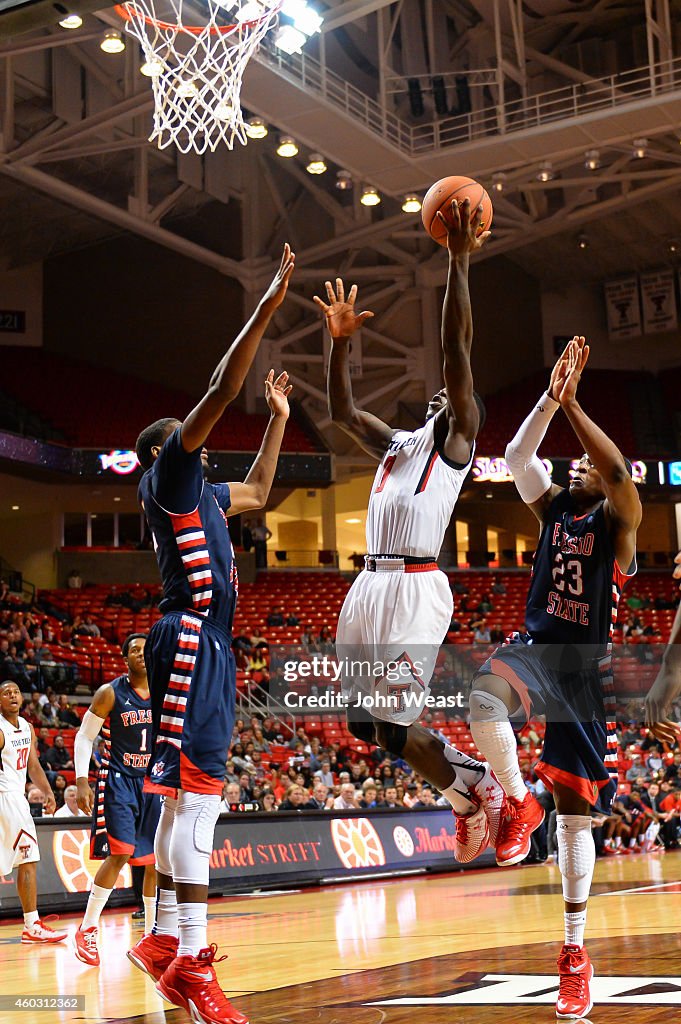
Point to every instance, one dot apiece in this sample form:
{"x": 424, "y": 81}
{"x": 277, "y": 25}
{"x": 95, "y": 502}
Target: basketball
{"x": 439, "y": 197}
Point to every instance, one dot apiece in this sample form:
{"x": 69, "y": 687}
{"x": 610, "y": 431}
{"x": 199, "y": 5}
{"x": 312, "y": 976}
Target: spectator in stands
{"x": 454, "y": 626}
{"x": 412, "y": 794}
{"x": 43, "y": 741}
{"x": 485, "y": 606}
{"x": 390, "y": 797}
{"x": 429, "y": 724}
{"x": 268, "y": 801}
{"x": 88, "y": 628}
{"x": 320, "y": 799}
{"x": 347, "y": 798}
{"x": 499, "y": 587}
{"x": 324, "y": 774}
{"x": 257, "y": 668}
{"x": 638, "y": 769}
{"x": 497, "y": 635}
{"x": 482, "y": 635}
{"x": 670, "y": 807}
{"x": 654, "y": 762}
{"x": 260, "y": 534}
{"x": 459, "y": 587}
{"x": 57, "y": 757}
{"x": 292, "y": 620}
{"x": 259, "y": 742}
{"x": 634, "y": 601}
{"x": 238, "y": 757}
{"x": 369, "y": 794}
{"x": 70, "y": 808}
{"x": 426, "y": 799}
{"x": 245, "y": 785}
{"x": 477, "y": 622}
{"x": 276, "y": 617}
{"x": 231, "y": 794}
{"x": 36, "y": 801}
{"x": 67, "y": 716}
{"x": 241, "y": 645}
{"x": 257, "y": 639}
{"x": 100, "y": 753}
{"x": 325, "y": 640}
{"x": 59, "y": 788}
{"x": 295, "y": 798}
{"x": 269, "y": 729}
{"x": 74, "y": 580}
{"x": 673, "y": 771}
{"x": 32, "y": 711}
{"x": 307, "y": 637}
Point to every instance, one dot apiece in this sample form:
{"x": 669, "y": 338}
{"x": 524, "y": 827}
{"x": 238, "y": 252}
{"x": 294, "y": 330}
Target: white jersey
{"x": 413, "y": 496}
{"x": 14, "y": 756}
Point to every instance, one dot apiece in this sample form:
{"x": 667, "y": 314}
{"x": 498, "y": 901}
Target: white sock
{"x": 618, "y": 841}
{"x": 95, "y": 905}
{"x": 192, "y": 920}
{"x": 31, "y": 917}
{"x": 496, "y": 740}
{"x": 166, "y": 913}
{"x": 574, "y": 928}
{"x": 467, "y": 768}
{"x": 607, "y": 842}
{"x": 149, "y": 913}
{"x": 459, "y": 801}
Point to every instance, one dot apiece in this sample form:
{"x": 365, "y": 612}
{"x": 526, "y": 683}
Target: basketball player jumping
{"x": 18, "y": 837}
{"x": 125, "y": 818}
{"x": 560, "y": 667}
{"x": 398, "y": 610}
{"x": 191, "y": 668}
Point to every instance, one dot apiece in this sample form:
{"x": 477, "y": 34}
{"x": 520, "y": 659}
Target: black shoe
{"x": 138, "y": 914}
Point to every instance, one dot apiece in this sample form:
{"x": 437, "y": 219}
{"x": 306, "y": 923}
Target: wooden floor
{"x": 452, "y": 949}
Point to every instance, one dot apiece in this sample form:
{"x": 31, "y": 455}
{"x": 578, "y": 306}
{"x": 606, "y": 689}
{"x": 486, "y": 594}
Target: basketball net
{"x": 196, "y": 70}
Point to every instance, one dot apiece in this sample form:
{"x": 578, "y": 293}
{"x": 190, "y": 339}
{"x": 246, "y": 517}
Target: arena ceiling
{"x": 397, "y": 93}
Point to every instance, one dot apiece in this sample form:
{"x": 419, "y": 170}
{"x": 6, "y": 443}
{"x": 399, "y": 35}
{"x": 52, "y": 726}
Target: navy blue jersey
{"x": 576, "y": 582}
{"x": 127, "y": 731}
{"x": 186, "y": 516}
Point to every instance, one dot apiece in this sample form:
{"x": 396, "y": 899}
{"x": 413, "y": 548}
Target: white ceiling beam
{"x": 47, "y": 43}
{"x": 351, "y": 11}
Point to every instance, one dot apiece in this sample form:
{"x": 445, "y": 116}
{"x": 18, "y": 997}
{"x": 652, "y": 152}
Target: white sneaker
{"x": 472, "y": 833}
{"x": 492, "y": 797}
{"x": 39, "y": 932}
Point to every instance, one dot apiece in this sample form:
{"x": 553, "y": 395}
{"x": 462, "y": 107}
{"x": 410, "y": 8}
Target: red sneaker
{"x": 493, "y": 799}
{"x": 191, "y": 982}
{"x": 39, "y": 932}
{"x": 153, "y": 954}
{"x": 516, "y": 827}
{"x": 472, "y": 832}
{"x": 85, "y": 946}
{"x": 610, "y": 851}
{"x": 574, "y": 993}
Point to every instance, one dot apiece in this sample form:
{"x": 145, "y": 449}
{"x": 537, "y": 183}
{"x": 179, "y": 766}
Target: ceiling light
{"x": 316, "y": 164}
{"x": 250, "y": 11}
{"x": 353, "y": 521}
{"x": 15, "y": 508}
{"x": 592, "y": 159}
{"x": 112, "y": 41}
{"x": 673, "y": 246}
{"x": 71, "y": 21}
{"x": 583, "y": 242}
{"x": 546, "y": 172}
{"x": 343, "y": 180}
{"x": 411, "y": 204}
{"x": 117, "y": 499}
{"x": 287, "y": 146}
{"x": 223, "y": 111}
{"x": 257, "y": 129}
{"x": 370, "y": 196}
{"x": 498, "y": 181}
{"x": 152, "y": 68}
{"x": 489, "y": 494}
{"x": 640, "y": 148}
{"x": 187, "y": 89}
{"x": 305, "y": 18}
{"x": 289, "y": 39}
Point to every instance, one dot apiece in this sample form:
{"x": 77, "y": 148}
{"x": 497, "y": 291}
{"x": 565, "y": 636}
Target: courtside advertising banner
{"x": 255, "y": 850}
{"x": 623, "y": 308}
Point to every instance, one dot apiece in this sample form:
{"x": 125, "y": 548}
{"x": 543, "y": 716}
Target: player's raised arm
{"x": 622, "y": 504}
{"x": 38, "y": 777}
{"x": 532, "y": 481}
{"x": 255, "y": 490}
{"x": 91, "y": 726}
{"x": 230, "y": 373}
{"x": 370, "y": 433}
{"x": 462, "y": 228}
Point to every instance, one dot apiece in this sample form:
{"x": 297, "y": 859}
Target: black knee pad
{"x": 391, "y": 737}
{"x": 362, "y": 729}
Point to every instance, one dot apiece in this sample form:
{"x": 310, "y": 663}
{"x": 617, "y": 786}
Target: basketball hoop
{"x": 196, "y": 70}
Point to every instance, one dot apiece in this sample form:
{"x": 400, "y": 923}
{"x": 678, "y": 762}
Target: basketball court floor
{"x": 465, "y": 948}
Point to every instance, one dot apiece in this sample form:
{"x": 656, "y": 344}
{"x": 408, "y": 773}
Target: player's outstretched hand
{"x": 50, "y": 805}
{"x": 462, "y": 228}
{"x": 665, "y": 689}
{"x": 578, "y": 355}
{"x": 277, "y": 392}
{"x": 677, "y": 568}
{"x": 341, "y": 319}
{"x": 274, "y": 296}
{"x": 84, "y": 799}
{"x": 559, "y": 373}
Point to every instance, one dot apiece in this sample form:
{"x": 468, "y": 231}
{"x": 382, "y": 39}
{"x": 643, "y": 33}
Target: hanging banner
{"x": 658, "y": 301}
{"x": 623, "y": 309}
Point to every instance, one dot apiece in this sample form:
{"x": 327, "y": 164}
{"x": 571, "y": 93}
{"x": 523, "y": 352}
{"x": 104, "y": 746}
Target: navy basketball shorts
{"x": 124, "y": 819}
{"x": 565, "y": 683}
{"x": 192, "y": 681}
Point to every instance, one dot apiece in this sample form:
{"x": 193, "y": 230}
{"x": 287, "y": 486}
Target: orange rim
{"x": 130, "y": 11}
